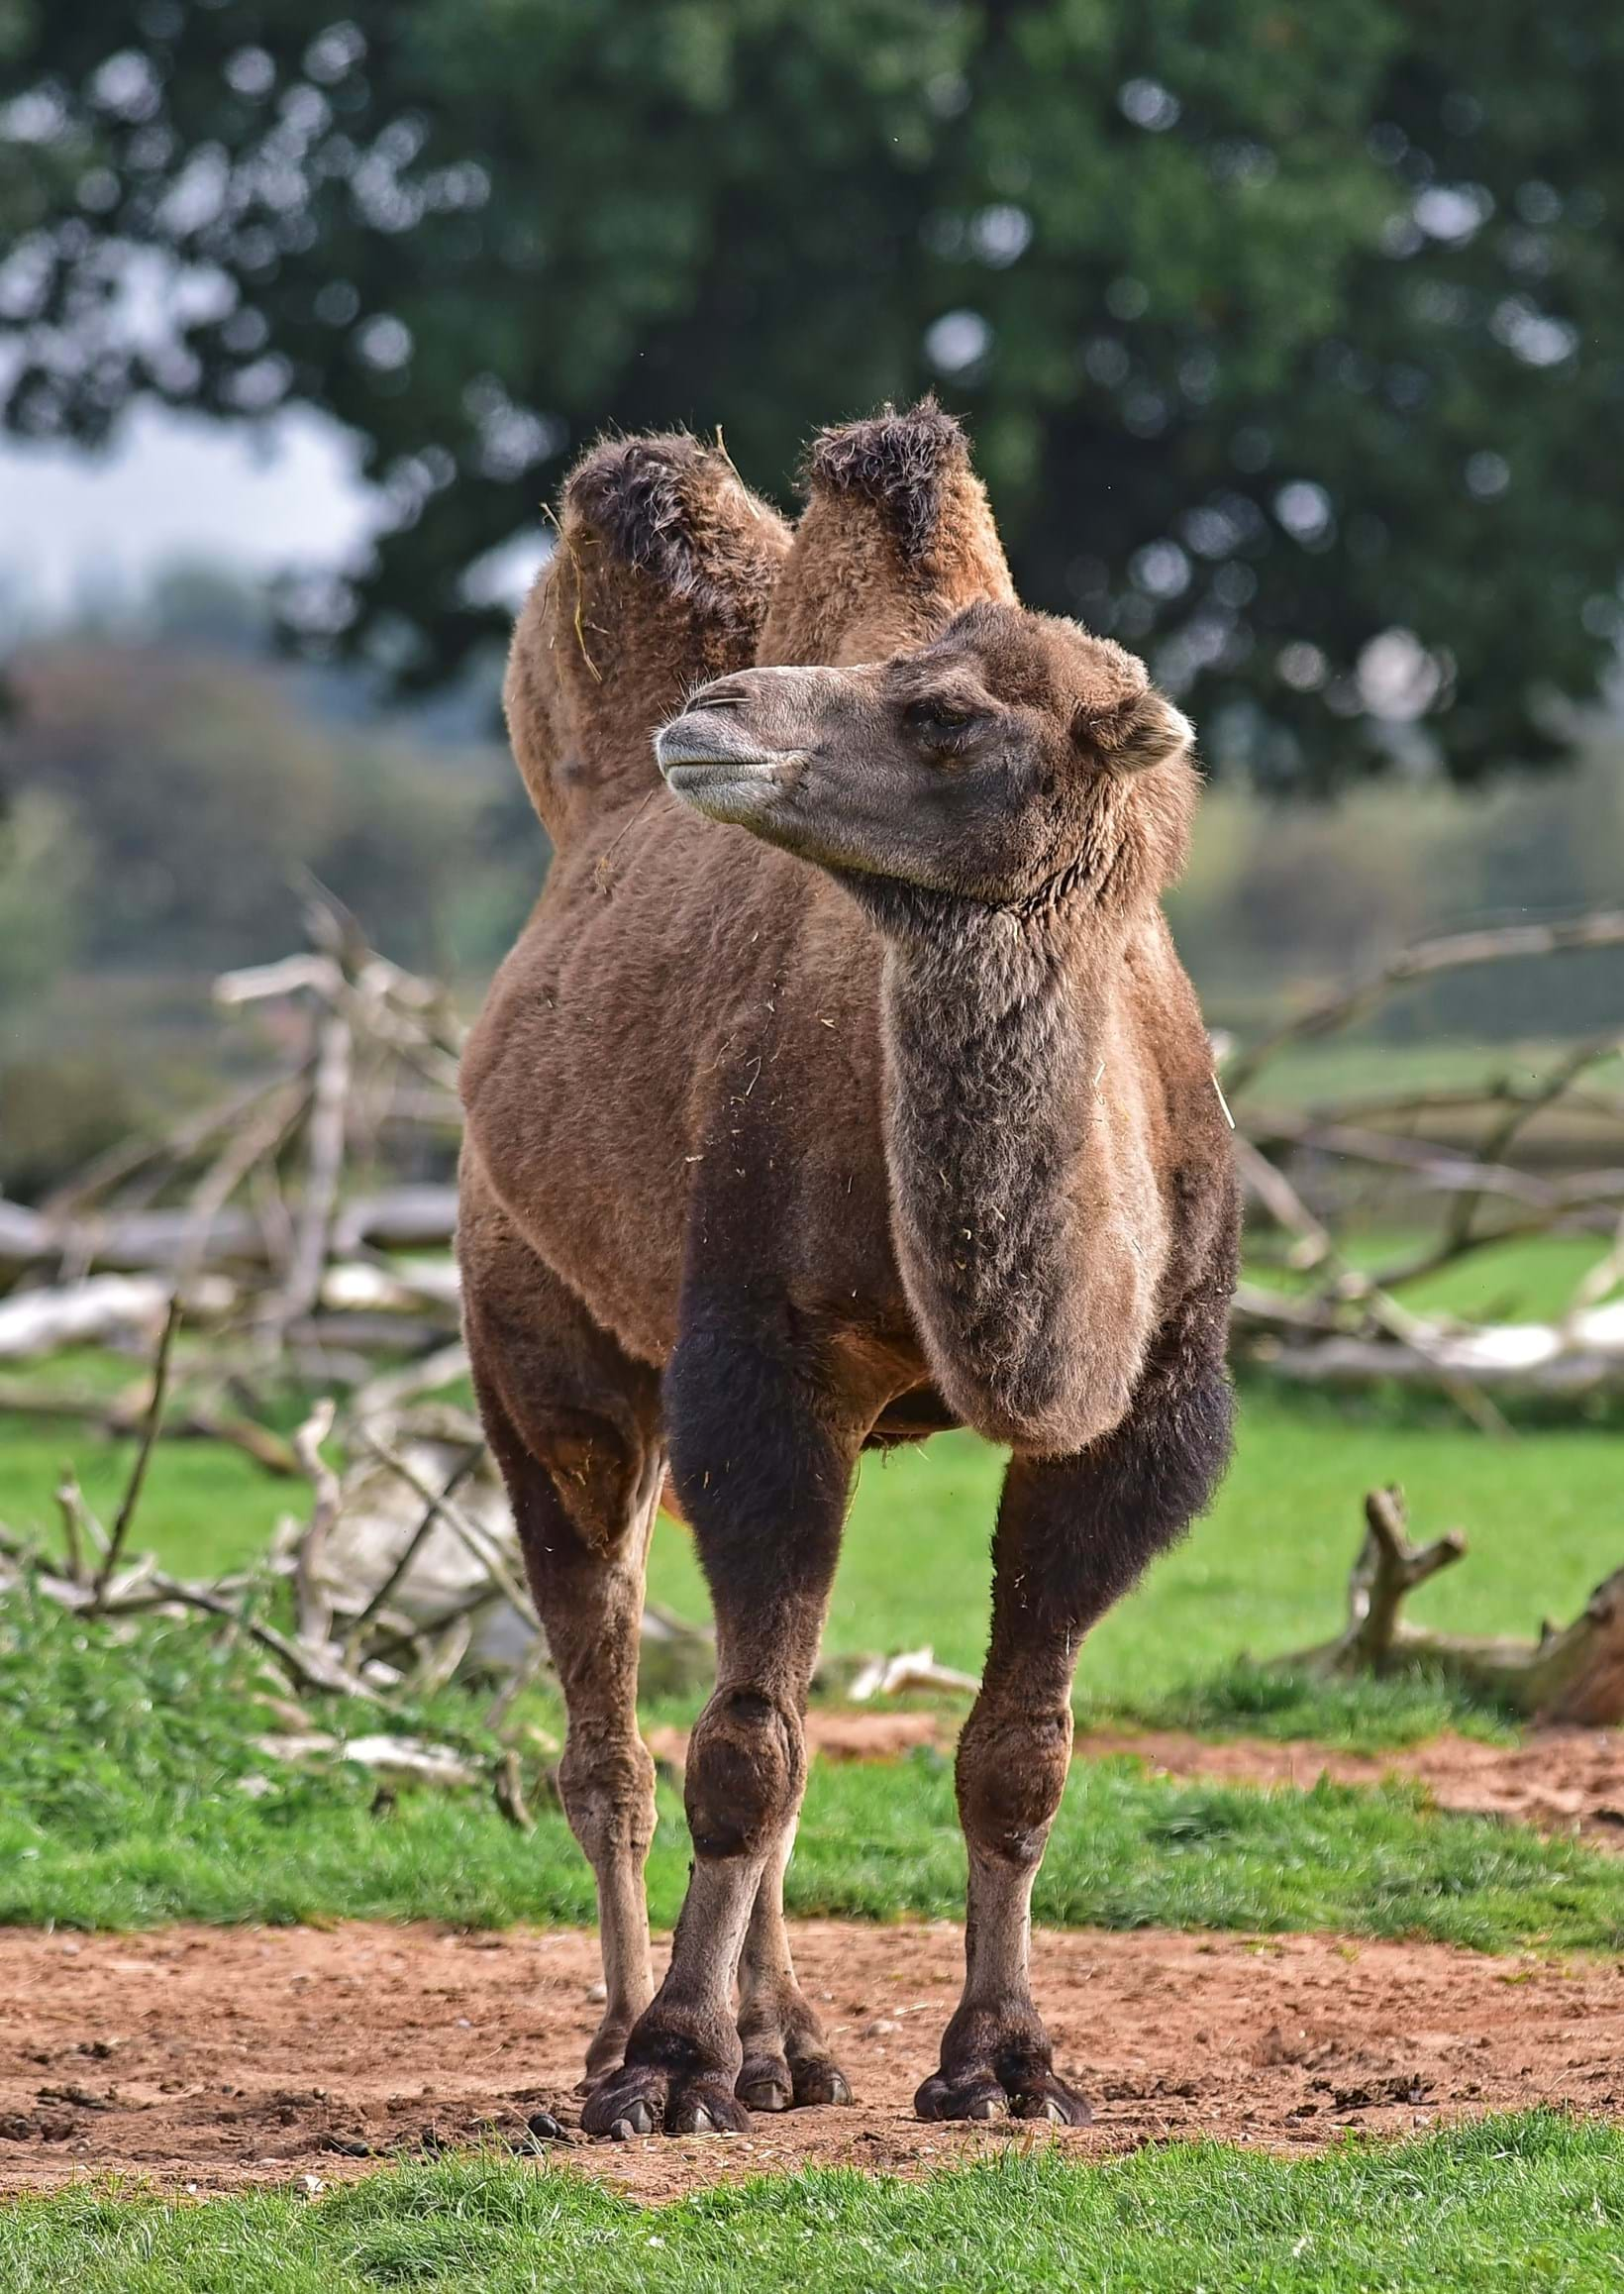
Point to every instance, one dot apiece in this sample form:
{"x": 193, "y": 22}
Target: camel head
{"x": 1012, "y": 762}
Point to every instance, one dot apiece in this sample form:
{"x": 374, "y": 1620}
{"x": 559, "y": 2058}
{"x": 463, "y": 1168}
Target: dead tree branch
{"x": 137, "y": 1472}
{"x": 1573, "y": 1674}
{"x": 1451, "y": 952}
{"x": 314, "y": 1605}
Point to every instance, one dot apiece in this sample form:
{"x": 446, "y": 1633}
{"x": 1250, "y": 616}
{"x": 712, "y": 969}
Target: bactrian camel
{"x": 843, "y": 1087}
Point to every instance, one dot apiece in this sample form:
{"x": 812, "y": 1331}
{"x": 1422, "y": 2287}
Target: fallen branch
{"x": 1573, "y": 1674}
{"x": 440, "y": 1366}
{"x": 313, "y": 1602}
{"x": 323, "y": 1166}
{"x": 910, "y": 1669}
{"x": 308, "y": 1666}
{"x": 1451, "y": 951}
{"x": 106, "y": 1310}
{"x": 443, "y": 1509}
{"x": 1308, "y": 1342}
{"x": 393, "y": 1759}
{"x": 138, "y": 1471}
{"x": 381, "y": 1593}
{"x": 118, "y": 1415}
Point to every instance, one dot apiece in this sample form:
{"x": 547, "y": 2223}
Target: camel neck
{"x": 999, "y": 1006}
{"x": 999, "y": 1150}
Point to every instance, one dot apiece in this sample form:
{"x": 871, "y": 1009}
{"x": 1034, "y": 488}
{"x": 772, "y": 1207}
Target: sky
{"x": 175, "y": 487}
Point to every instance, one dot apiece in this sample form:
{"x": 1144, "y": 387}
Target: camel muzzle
{"x": 712, "y": 761}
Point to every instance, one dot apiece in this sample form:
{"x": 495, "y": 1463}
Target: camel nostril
{"x": 717, "y": 697}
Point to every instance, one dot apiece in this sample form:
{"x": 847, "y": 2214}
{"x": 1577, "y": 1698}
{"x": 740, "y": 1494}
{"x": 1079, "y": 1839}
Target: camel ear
{"x": 1149, "y": 731}
{"x": 662, "y": 573}
{"x": 895, "y": 539}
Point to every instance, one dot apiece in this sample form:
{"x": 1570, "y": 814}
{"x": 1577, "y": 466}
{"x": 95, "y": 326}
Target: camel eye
{"x": 936, "y": 717}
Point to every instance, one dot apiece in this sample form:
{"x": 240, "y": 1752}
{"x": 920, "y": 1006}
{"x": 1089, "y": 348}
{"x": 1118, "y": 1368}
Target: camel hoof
{"x": 709, "y": 2110}
{"x": 1053, "y": 2100}
{"x": 821, "y": 2081}
{"x": 765, "y": 2084}
{"x": 981, "y": 2095}
{"x": 622, "y": 2111}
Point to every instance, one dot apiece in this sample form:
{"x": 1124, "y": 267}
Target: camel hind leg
{"x": 574, "y": 1426}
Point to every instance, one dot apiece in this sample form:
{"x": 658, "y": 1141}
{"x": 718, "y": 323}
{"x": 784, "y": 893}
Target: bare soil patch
{"x": 1560, "y": 1780}
{"x": 832, "y": 1735}
{"x": 203, "y": 2058}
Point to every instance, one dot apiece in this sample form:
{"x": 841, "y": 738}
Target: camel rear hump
{"x": 896, "y": 537}
{"x": 663, "y": 575}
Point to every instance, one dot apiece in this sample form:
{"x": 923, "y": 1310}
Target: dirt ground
{"x": 1560, "y": 1780}
{"x": 201, "y": 2058}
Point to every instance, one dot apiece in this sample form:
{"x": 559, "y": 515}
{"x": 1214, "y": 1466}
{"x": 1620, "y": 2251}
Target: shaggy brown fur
{"x": 896, "y": 536}
{"x": 662, "y": 576}
{"x": 843, "y": 1087}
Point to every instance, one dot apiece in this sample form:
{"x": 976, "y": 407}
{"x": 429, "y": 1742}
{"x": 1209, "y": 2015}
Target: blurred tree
{"x": 164, "y": 804}
{"x": 198, "y": 790}
{"x": 44, "y": 868}
{"x": 1292, "y": 336}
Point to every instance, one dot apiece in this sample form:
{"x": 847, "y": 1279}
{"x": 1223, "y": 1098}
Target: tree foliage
{"x": 163, "y": 804}
{"x": 1292, "y": 336}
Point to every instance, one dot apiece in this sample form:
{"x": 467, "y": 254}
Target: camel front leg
{"x": 1072, "y": 1535}
{"x": 787, "y": 2058}
{"x": 588, "y": 1594}
{"x": 762, "y": 1475}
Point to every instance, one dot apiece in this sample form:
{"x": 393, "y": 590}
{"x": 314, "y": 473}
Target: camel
{"x": 844, "y": 1087}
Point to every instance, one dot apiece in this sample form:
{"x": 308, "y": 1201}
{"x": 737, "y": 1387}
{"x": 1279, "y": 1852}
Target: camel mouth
{"x": 712, "y": 763}
{"x": 741, "y": 794}
{"x": 710, "y": 738}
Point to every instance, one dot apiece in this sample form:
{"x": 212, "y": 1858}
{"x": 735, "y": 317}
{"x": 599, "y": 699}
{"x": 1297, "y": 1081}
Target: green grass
{"x": 1354, "y": 1715}
{"x": 123, "y": 1761}
{"x": 1265, "y": 1574}
{"x": 1534, "y": 2201}
{"x": 1262, "y": 1575}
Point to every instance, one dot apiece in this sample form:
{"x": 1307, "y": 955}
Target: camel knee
{"x": 1011, "y": 1772}
{"x": 745, "y": 1769}
{"x": 607, "y": 1787}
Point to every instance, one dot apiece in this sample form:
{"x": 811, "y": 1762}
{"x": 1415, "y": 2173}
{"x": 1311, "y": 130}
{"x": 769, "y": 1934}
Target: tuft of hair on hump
{"x": 663, "y": 572}
{"x": 906, "y": 465}
{"x": 652, "y": 502}
{"x": 896, "y": 537}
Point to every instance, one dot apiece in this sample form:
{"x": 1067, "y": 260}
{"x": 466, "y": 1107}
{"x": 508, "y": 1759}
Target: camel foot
{"x": 769, "y": 2082}
{"x": 1008, "y": 2092}
{"x": 647, "y": 2099}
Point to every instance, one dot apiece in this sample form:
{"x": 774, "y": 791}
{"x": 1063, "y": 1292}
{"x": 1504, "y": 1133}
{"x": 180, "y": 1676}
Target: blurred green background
{"x": 1292, "y": 340}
